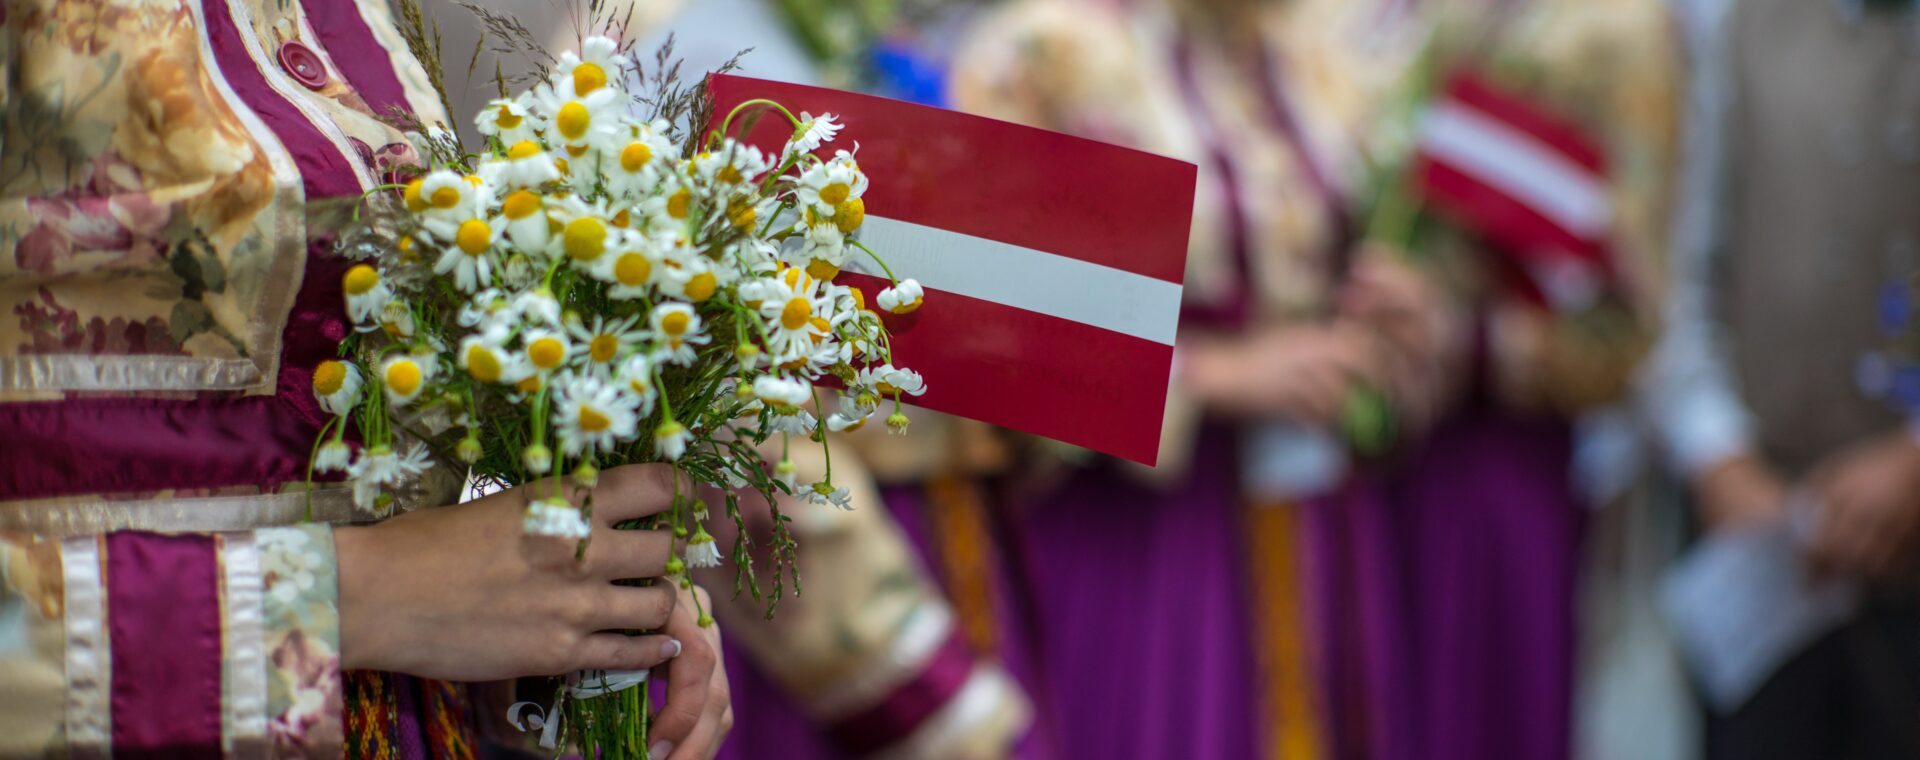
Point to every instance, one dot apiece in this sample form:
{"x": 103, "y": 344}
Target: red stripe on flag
{"x": 1043, "y": 190}
{"x": 1564, "y": 137}
{"x": 1048, "y": 376}
{"x": 1503, "y": 219}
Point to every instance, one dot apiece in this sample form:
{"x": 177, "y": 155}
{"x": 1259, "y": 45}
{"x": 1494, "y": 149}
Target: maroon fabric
{"x": 163, "y": 618}
{"x": 896, "y": 717}
{"x": 360, "y": 58}
{"x": 117, "y": 445}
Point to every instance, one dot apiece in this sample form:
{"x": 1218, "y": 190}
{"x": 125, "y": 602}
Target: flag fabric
{"x": 1052, "y": 265}
{"x": 1532, "y": 184}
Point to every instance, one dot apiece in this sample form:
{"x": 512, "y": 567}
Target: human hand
{"x": 461, "y": 593}
{"x": 1870, "y": 514}
{"x": 1303, "y": 372}
{"x": 699, "y": 709}
{"x": 1421, "y": 335}
{"x": 1741, "y": 491}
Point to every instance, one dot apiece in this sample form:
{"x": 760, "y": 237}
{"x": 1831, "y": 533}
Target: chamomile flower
{"x": 701, "y": 550}
{"x": 379, "y": 468}
{"x": 405, "y": 376}
{"x": 637, "y": 171}
{"x": 891, "y": 381}
{"x": 538, "y": 459}
{"x": 547, "y": 350}
{"x": 788, "y": 474}
{"x": 813, "y": 132}
{"x": 670, "y": 440}
{"x": 607, "y": 340}
{"x": 823, "y": 187}
{"x": 673, "y": 202}
{"x": 590, "y": 414}
{"x": 539, "y": 306}
{"x": 488, "y": 310}
{"x": 905, "y": 297}
{"x": 486, "y": 360}
{"x": 526, "y": 222}
{"x": 451, "y": 194}
{"x": 337, "y": 386}
{"x": 597, "y": 64}
{"x": 554, "y": 516}
{"x": 789, "y": 303}
{"x": 793, "y": 421}
{"x": 629, "y": 271}
{"x": 677, "y": 328}
{"x": 586, "y": 231}
{"x": 846, "y": 421}
{"x": 690, "y": 275}
{"x": 824, "y": 249}
{"x": 527, "y": 166}
{"x": 781, "y": 392}
{"x": 397, "y": 321}
{"x": 824, "y": 493}
{"x": 731, "y": 166}
{"x": 580, "y": 120}
{"x": 334, "y": 456}
{"x": 507, "y": 120}
{"x": 367, "y": 293}
{"x": 637, "y": 373}
{"x": 469, "y": 259}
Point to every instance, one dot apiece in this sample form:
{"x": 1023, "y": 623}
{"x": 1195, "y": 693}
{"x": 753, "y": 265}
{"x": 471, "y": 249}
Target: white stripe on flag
{"x": 1024, "y": 278}
{"x": 1517, "y": 163}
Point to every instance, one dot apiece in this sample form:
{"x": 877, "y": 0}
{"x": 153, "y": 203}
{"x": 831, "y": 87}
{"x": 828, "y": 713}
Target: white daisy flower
{"x": 824, "y": 249}
{"x": 891, "y": 381}
{"x": 596, "y": 65}
{"x": 690, "y": 275}
{"x": 586, "y": 231}
{"x": 797, "y": 422}
{"x": 904, "y": 297}
{"x": 379, "y": 468}
{"x": 507, "y": 120}
{"x": 670, "y": 440}
{"x": 787, "y": 473}
{"x": 606, "y": 341}
{"x": 637, "y": 373}
{"x": 486, "y": 360}
{"x": 538, "y": 459}
{"x": 367, "y": 294}
{"x": 397, "y": 321}
{"x": 526, "y": 222}
{"x": 547, "y": 349}
{"x": 538, "y": 305}
{"x": 813, "y": 132}
{"x": 677, "y": 328}
{"x": 405, "y": 376}
{"x": 789, "y": 302}
{"x": 636, "y": 171}
{"x": 591, "y": 414}
{"x": 334, "y": 456}
{"x": 824, "y": 493}
{"x": 846, "y": 421}
{"x": 578, "y": 120}
{"x": 731, "y": 166}
{"x": 629, "y": 271}
{"x": 337, "y": 386}
{"x": 556, "y": 517}
{"x": 451, "y": 194}
{"x": 779, "y": 392}
{"x": 489, "y": 310}
{"x": 469, "y": 259}
{"x": 822, "y": 188}
{"x": 527, "y": 165}
{"x": 701, "y": 550}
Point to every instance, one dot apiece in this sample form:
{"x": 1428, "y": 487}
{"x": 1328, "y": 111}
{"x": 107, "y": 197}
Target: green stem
{"x": 315, "y": 454}
{"x": 877, "y": 260}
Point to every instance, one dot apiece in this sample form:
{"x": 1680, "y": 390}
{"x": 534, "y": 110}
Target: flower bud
{"x": 538, "y": 459}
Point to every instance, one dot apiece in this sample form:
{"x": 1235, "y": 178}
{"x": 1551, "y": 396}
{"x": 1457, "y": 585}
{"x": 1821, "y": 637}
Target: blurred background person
{"x": 1785, "y": 389}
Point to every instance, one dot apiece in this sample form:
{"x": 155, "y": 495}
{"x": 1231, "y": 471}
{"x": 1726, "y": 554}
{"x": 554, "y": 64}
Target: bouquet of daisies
{"x": 587, "y": 290}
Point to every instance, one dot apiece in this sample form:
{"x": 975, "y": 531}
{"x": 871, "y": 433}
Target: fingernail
{"x": 660, "y": 750}
{"x": 670, "y": 649}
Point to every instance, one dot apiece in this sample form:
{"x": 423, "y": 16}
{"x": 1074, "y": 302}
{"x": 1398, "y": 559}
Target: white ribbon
{"x": 545, "y": 721}
{"x": 594, "y": 683}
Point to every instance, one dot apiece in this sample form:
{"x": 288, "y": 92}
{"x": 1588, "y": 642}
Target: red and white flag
{"x": 1534, "y": 185}
{"x": 1052, "y": 264}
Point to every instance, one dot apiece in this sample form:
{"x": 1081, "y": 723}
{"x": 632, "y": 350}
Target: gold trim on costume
{"x": 89, "y": 515}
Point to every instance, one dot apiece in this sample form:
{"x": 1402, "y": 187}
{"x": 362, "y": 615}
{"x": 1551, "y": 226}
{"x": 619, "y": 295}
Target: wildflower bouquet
{"x": 587, "y": 290}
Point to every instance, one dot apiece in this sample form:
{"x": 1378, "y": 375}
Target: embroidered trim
{"x": 87, "y": 515}
{"x": 89, "y": 723}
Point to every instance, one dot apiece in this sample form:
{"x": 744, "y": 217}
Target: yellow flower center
{"x": 404, "y": 377}
{"x": 547, "y": 353}
{"x": 585, "y": 238}
{"x": 701, "y": 287}
{"x": 675, "y": 324}
{"x": 573, "y": 120}
{"x": 483, "y": 365}
{"x": 603, "y": 348}
{"x": 632, "y": 269}
{"x": 406, "y": 247}
{"x": 729, "y": 175}
{"x": 577, "y": 150}
{"x": 523, "y": 149}
{"x": 415, "y": 203}
{"x": 821, "y": 327}
{"x": 859, "y": 299}
{"x": 329, "y": 377}
{"x": 561, "y": 164}
{"x": 446, "y": 197}
{"x": 796, "y": 314}
{"x": 506, "y": 118}
{"x": 635, "y": 156}
{"x": 623, "y": 218}
{"x": 588, "y": 77}
{"x": 835, "y": 194}
{"x": 520, "y": 204}
{"x": 592, "y": 421}
{"x": 741, "y": 212}
{"x": 360, "y": 279}
{"x": 640, "y": 386}
{"x": 821, "y": 269}
{"x": 474, "y": 237}
{"x": 850, "y": 215}
{"x": 678, "y": 203}
{"x": 528, "y": 385}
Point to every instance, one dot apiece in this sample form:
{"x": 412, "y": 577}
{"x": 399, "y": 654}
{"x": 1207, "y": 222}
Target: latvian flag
{"x": 1533, "y": 185}
{"x": 1052, "y": 264}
